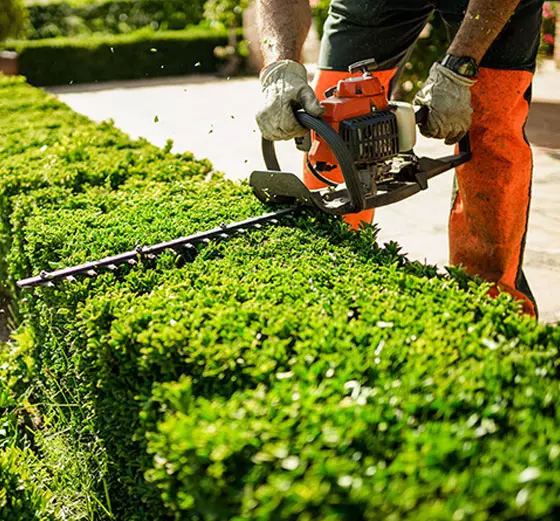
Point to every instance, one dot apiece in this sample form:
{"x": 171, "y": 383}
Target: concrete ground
{"x": 214, "y": 118}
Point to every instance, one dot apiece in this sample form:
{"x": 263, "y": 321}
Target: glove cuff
{"x": 458, "y": 79}
{"x": 269, "y": 74}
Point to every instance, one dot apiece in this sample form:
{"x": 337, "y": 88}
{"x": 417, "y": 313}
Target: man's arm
{"x": 283, "y": 27}
{"x": 447, "y": 93}
{"x": 482, "y": 24}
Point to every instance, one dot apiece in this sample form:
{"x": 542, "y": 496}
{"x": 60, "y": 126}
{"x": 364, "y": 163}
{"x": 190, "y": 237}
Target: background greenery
{"x": 550, "y": 15}
{"x": 87, "y": 47}
{"x": 140, "y": 54}
{"x": 140, "y": 18}
{"x": 74, "y": 18}
{"x": 13, "y": 18}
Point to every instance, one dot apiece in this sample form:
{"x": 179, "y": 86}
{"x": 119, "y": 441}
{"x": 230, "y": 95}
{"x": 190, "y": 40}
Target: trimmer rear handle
{"x": 421, "y": 115}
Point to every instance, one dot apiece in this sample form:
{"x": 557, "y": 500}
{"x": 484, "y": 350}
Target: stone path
{"x": 214, "y": 118}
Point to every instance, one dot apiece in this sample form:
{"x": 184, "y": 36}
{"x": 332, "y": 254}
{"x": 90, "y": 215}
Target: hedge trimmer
{"x": 369, "y": 140}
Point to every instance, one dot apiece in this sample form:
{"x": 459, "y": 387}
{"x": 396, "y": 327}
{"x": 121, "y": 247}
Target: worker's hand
{"x": 285, "y": 89}
{"x": 448, "y": 96}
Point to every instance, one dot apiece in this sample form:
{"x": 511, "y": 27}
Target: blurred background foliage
{"x": 228, "y": 13}
{"x": 13, "y": 18}
{"x": 550, "y": 22}
{"x": 86, "y": 17}
{"x": 45, "y": 19}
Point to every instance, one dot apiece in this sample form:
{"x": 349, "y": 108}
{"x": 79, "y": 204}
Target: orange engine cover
{"x": 352, "y": 97}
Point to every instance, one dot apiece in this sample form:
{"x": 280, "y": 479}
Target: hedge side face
{"x": 140, "y": 54}
{"x": 298, "y": 372}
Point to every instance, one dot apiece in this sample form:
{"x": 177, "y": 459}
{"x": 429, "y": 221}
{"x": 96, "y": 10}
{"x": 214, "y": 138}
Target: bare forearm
{"x": 283, "y": 27}
{"x": 483, "y": 22}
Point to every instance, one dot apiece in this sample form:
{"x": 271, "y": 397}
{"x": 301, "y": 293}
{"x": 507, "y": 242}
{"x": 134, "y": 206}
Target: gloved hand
{"x": 448, "y": 96}
{"x": 285, "y": 88}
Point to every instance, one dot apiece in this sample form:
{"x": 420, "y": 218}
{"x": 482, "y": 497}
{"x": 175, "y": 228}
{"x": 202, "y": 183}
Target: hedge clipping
{"x": 300, "y": 372}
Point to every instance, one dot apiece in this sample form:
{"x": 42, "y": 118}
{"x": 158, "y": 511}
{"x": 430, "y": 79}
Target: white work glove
{"x": 285, "y": 89}
{"x": 448, "y": 96}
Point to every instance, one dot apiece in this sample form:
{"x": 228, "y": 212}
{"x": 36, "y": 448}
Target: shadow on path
{"x": 543, "y": 125}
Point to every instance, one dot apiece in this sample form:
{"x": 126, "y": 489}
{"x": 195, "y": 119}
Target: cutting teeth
{"x": 183, "y": 247}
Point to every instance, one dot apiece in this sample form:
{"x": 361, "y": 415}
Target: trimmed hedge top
{"x": 300, "y": 372}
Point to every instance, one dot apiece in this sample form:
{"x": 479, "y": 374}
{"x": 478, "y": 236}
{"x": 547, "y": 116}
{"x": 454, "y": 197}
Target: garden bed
{"x": 296, "y": 372}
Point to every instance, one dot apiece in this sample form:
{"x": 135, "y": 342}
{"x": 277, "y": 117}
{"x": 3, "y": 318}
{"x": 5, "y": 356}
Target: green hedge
{"x": 68, "y": 18}
{"x": 20, "y": 497}
{"x": 142, "y": 54}
{"x": 297, "y": 372}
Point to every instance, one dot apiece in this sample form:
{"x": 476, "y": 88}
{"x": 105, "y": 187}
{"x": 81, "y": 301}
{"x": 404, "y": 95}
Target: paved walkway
{"x": 214, "y": 118}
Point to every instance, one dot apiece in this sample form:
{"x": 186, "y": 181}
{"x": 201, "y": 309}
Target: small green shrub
{"x": 141, "y": 54}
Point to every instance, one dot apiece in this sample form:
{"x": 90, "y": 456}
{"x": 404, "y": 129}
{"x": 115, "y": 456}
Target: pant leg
{"x": 356, "y": 30}
{"x": 488, "y": 222}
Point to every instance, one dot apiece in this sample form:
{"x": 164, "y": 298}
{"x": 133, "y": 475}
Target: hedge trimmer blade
{"x": 184, "y": 246}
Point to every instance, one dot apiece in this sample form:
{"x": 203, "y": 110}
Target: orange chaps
{"x": 488, "y": 221}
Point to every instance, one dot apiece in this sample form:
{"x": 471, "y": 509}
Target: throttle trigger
{"x": 422, "y": 180}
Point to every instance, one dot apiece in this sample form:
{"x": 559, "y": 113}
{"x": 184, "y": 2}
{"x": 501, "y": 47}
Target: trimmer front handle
{"x": 274, "y": 186}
